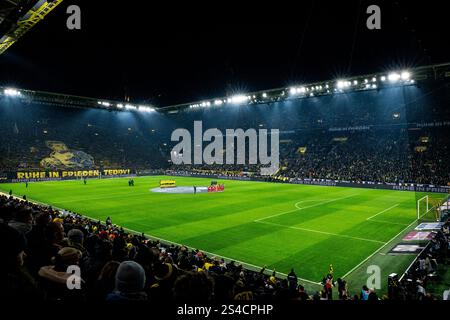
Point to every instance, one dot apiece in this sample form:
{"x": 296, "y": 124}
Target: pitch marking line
{"x": 302, "y": 208}
{"x": 385, "y": 210}
{"x": 322, "y": 232}
{"x": 379, "y": 249}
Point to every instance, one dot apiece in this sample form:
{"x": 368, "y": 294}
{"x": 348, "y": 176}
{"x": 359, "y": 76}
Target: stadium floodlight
{"x": 374, "y": 86}
{"x": 218, "y": 102}
{"x": 293, "y": 90}
{"x": 145, "y": 109}
{"x": 119, "y": 105}
{"x": 239, "y": 99}
{"x": 11, "y": 92}
{"x": 393, "y": 77}
{"x": 106, "y": 104}
{"x": 383, "y": 78}
{"x": 99, "y": 102}
{"x": 405, "y": 75}
{"x": 355, "y": 82}
{"x": 366, "y": 80}
{"x": 343, "y": 84}
{"x": 302, "y": 89}
{"x": 129, "y": 106}
{"x": 374, "y": 79}
{"x": 264, "y": 95}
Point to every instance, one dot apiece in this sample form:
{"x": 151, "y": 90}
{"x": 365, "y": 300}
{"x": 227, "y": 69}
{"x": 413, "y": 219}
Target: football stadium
{"x": 108, "y": 199}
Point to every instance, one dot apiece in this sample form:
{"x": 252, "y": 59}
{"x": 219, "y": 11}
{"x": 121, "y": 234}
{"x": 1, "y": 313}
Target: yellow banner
{"x": 167, "y": 183}
{"x": 71, "y": 173}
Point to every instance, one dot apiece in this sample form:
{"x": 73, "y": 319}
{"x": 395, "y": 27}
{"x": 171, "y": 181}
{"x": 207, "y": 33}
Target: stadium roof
{"x": 19, "y": 16}
{"x": 373, "y": 81}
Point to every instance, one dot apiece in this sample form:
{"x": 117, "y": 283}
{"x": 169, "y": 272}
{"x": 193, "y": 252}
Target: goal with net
{"x": 430, "y": 209}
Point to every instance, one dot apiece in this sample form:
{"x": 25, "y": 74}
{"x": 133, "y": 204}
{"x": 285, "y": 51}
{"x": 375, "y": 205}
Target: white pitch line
{"x": 385, "y": 210}
{"x": 307, "y": 207}
{"x": 378, "y": 250}
{"x": 388, "y": 222}
{"x": 321, "y": 232}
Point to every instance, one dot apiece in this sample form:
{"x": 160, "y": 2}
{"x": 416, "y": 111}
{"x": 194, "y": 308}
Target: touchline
{"x": 236, "y": 142}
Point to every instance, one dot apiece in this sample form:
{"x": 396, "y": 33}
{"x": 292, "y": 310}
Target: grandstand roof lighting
{"x": 366, "y": 80}
{"x": 11, "y": 92}
{"x": 239, "y": 99}
{"x": 106, "y": 104}
{"x": 374, "y": 79}
{"x": 146, "y": 109}
{"x": 374, "y": 86}
{"x": 293, "y": 90}
{"x": 129, "y": 106}
{"x": 355, "y": 82}
{"x": 119, "y": 105}
{"x": 264, "y": 95}
{"x": 343, "y": 84}
{"x": 218, "y": 102}
{"x": 383, "y": 78}
{"x": 405, "y": 75}
{"x": 393, "y": 77}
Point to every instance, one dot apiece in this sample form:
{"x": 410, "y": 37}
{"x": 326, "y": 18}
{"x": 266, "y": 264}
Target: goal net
{"x": 431, "y": 208}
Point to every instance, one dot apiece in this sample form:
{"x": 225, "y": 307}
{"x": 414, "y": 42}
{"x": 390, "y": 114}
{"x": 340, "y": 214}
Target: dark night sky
{"x": 174, "y": 53}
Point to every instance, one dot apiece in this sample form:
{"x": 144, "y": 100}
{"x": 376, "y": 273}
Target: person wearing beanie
{"x": 15, "y": 281}
{"x": 129, "y": 284}
{"x": 54, "y": 277}
{"x": 164, "y": 275}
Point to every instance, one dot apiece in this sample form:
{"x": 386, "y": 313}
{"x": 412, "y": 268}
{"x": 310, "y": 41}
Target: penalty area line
{"x": 321, "y": 232}
{"x": 303, "y": 208}
{"x": 378, "y": 250}
{"x": 383, "y": 211}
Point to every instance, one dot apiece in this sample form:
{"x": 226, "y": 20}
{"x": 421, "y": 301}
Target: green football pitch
{"x": 282, "y": 226}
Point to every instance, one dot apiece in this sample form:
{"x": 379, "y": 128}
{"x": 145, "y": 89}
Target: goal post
{"x": 423, "y": 206}
{"x": 431, "y": 208}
